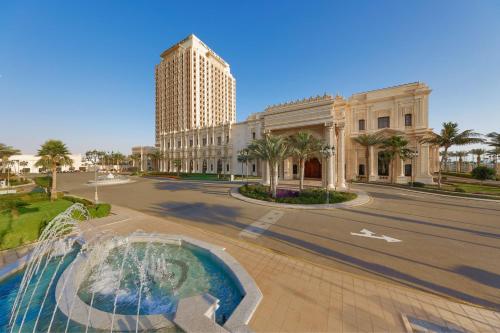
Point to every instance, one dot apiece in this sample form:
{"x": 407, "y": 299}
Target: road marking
{"x": 370, "y": 234}
{"x": 257, "y": 228}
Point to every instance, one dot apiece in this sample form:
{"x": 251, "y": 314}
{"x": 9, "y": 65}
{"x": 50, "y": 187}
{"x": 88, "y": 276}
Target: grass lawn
{"x": 478, "y": 189}
{"x": 26, "y": 228}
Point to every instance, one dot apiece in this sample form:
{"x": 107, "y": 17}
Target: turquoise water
{"x": 169, "y": 273}
{"x": 8, "y": 292}
{"x": 172, "y": 273}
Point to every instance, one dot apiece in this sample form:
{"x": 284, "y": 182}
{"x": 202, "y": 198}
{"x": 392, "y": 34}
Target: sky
{"x": 83, "y": 71}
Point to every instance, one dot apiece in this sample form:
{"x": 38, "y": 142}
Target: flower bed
{"x": 305, "y": 197}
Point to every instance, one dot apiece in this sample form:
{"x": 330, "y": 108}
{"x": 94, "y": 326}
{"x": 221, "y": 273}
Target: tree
{"x": 494, "y": 153}
{"x": 273, "y": 149}
{"x": 244, "y": 157}
{"x": 53, "y": 153}
{"x": 177, "y": 165}
{"x": 304, "y": 146}
{"x": 395, "y": 147}
{"x": 156, "y": 156}
{"x": 478, "y": 152}
{"x": 493, "y": 139}
{"x": 5, "y": 153}
{"x": 450, "y": 136}
{"x": 461, "y": 155}
{"x": 367, "y": 141}
{"x": 136, "y": 159}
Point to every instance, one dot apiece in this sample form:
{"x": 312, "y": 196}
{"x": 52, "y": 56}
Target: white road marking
{"x": 370, "y": 234}
{"x": 257, "y": 228}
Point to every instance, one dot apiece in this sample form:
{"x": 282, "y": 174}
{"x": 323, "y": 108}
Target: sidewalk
{"x": 303, "y": 297}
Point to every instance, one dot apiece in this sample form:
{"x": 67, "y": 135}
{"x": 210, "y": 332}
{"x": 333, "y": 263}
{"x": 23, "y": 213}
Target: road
{"x": 449, "y": 246}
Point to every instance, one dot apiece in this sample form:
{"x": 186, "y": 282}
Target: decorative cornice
{"x": 312, "y": 99}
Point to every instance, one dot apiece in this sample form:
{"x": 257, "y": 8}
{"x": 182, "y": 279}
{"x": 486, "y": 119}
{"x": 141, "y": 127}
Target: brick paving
{"x": 303, "y": 297}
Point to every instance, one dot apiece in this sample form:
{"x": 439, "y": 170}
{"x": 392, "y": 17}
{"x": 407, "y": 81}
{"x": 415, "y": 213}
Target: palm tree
{"x": 156, "y": 156}
{"x": 177, "y": 165}
{"x": 493, "y": 139}
{"x": 494, "y": 153}
{"x": 461, "y": 155}
{"x": 5, "y": 153}
{"x": 395, "y": 147}
{"x": 478, "y": 152}
{"x": 451, "y": 154}
{"x": 273, "y": 149}
{"x": 367, "y": 141}
{"x": 244, "y": 157}
{"x": 450, "y": 136}
{"x": 136, "y": 159}
{"x": 53, "y": 153}
{"x": 304, "y": 146}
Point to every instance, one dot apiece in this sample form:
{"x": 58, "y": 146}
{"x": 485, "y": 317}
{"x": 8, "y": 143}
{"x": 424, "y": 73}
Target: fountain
{"x": 109, "y": 179}
{"x": 125, "y": 283}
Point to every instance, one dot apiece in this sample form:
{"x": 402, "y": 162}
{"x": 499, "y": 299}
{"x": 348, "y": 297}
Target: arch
{"x": 312, "y": 168}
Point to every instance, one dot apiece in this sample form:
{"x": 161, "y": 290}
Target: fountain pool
{"x": 109, "y": 179}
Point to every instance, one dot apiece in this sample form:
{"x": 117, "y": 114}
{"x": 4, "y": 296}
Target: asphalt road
{"x": 449, "y": 246}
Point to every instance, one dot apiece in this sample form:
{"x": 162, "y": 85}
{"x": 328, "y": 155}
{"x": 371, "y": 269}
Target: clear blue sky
{"x": 83, "y": 71}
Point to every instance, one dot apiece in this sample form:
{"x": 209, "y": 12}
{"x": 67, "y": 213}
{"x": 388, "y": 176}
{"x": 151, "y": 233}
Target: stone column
{"x": 330, "y": 172}
{"x": 423, "y": 161}
{"x": 341, "y": 158}
{"x": 372, "y": 173}
{"x": 266, "y": 177}
{"x": 401, "y": 179}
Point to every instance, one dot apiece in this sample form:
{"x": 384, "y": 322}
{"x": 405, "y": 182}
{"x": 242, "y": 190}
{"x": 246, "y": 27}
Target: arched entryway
{"x": 205, "y": 166}
{"x": 312, "y": 169}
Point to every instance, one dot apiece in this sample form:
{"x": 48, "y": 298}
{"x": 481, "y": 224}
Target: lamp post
{"x": 327, "y": 151}
{"x": 413, "y": 156}
{"x": 93, "y": 157}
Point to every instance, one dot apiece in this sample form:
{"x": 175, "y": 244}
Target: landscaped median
{"x": 24, "y": 216}
{"x": 311, "y": 198}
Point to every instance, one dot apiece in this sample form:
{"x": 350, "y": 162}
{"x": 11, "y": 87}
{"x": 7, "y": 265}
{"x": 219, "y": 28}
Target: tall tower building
{"x": 194, "y": 89}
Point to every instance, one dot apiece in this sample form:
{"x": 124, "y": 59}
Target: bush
{"x": 99, "y": 210}
{"x": 84, "y": 202}
{"x": 459, "y": 190}
{"x": 306, "y": 197}
{"x": 44, "y": 182}
{"x": 416, "y": 184}
{"x": 482, "y": 173}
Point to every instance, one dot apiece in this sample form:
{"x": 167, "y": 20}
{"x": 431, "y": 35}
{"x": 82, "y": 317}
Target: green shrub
{"x": 44, "y": 182}
{"x": 459, "y": 190}
{"x": 84, "y": 202}
{"x": 99, "y": 210}
{"x": 416, "y": 184}
{"x": 306, "y": 197}
{"x": 482, "y": 173}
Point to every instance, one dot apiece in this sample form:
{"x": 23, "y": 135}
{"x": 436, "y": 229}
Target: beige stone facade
{"x": 207, "y": 140}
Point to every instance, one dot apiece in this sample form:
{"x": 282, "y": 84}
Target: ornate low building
{"x": 213, "y": 146}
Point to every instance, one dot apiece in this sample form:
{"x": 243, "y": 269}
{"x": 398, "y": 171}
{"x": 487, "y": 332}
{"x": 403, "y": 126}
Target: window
{"x": 211, "y": 140}
{"x": 253, "y": 135}
{"x": 361, "y": 124}
{"x": 219, "y": 140}
{"x": 408, "y": 170}
{"x": 204, "y": 141}
{"x": 408, "y": 120}
{"x": 361, "y": 170}
{"x": 169, "y": 145}
{"x": 190, "y": 142}
{"x": 253, "y": 167}
{"x": 227, "y": 138}
{"x": 384, "y": 122}
{"x": 295, "y": 169}
{"x": 178, "y": 144}
{"x": 227, "y": 167}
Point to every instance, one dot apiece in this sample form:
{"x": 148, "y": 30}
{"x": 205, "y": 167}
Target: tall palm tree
{"x": 273, "y": 149}
{"x": 493, "y": 139}
{"x": 395, "y": 147}
{"x": 495, "y": 153}
{"x": 478, "y": 152}
{"x": 304, "y": 146}
{"x": 450, "y": 136}
{"x": 451, "y": 154}
{"x": 53, "y": 153}
{"x": 156, "y": 156}
{"x": 461, "y": 155}
{"x": 244, "y": 157}
{"x": 5, "y": 153}
{"x": 177, "y": 165}
{"x": 367, "y": 141}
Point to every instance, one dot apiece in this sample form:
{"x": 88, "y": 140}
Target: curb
{"x": 430, "y": 193}
{"x": 362, "y": 199}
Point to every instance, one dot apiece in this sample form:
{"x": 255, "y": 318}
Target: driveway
{"x": 445, "y": 245}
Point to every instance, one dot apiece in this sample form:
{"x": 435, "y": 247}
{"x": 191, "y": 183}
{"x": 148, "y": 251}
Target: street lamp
{"x": 413, "y": 155}
{"x": 93, "y": 157}
{"x": 328, "y": 151}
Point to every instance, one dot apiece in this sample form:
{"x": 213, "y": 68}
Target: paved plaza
{"x": 448, "y": 246}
